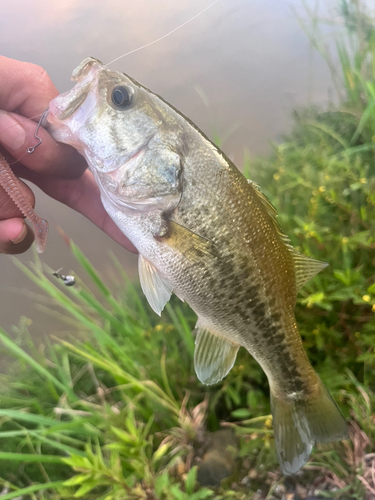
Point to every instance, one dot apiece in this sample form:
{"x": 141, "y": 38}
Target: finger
{"x": 25, "y": 87}
{"x": 82, "y": 195}
{"x": 17, "y": 134}
{"x": 15, "y": 236}
{"x": 8, "y": 208}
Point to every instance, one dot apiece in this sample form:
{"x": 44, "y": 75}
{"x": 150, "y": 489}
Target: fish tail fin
{"x": 300, "y": 422}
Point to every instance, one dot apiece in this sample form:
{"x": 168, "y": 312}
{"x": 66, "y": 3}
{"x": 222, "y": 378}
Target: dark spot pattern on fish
{"x": 236, "y": 296}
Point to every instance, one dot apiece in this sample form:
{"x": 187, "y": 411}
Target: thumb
{"x": 15, "y": 236}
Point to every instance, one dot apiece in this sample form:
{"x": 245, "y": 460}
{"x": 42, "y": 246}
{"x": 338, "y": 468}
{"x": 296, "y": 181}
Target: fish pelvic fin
{"x": 300, "y": 422}
{"x": 155, "y": 286}
{"x": 214, "y": 356}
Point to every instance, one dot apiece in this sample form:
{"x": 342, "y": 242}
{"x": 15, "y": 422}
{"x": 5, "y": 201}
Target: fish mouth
{"x": 66, "y": 113}
{"x": 63, "y": 111}
{"x": 85, "y": 68}
{"x": 65, "y": 105}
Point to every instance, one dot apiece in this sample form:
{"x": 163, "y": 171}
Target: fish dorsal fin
{"x": 157, "y": 289}
{"x": 214, "y": 356}
{"x": 305, "y": 268}
{"x": 263, "y": 199}
{"x": 271, "y": 210}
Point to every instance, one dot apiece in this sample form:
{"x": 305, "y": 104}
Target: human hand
{"x": 25, "y": 92}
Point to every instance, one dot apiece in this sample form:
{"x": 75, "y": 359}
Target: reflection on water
{"x": 248, "y": 59}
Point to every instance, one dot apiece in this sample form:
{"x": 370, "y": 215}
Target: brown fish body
{"x": 242, "y": 283}
{"x": 207, "y": 234}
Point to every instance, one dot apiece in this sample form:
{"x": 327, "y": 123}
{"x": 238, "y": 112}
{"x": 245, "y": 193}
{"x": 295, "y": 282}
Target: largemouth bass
{"x": 207, "y": 234}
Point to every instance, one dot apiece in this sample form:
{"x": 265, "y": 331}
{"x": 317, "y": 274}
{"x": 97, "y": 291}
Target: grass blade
{"x": 25, "y": 457}
{"x": 43, "y": 372}
{"x": 31, "y": 489}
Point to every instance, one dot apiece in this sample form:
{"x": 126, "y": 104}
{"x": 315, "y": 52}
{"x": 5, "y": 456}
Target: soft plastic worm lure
{"x": 10, "y": 183}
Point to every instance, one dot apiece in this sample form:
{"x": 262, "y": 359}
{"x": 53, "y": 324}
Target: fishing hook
{"x": 31, "y": 149}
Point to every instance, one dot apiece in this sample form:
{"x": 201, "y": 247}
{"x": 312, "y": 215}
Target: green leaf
{"x": 178, "y": 494}
{"x": 190, "y": 480}
{"x": 199, "y": 495}
{"x": 241, "y": 413}
{"x": 78, "y": 462}
{"x": 78, "y": 479}
{"x": 85, "y": 488}
{"x": 124, "y": 436}
{"x": 162, "y": 483}
{"x": 161, "y": 451}
{"x": 233, "y": 393}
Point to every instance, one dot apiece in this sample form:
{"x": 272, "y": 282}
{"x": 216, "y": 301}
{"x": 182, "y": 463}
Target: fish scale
{"x": 207, "y": 234}
{"x": 245, "y": 308}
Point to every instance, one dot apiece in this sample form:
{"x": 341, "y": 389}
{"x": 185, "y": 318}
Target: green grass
{"x": 114, "y": 409}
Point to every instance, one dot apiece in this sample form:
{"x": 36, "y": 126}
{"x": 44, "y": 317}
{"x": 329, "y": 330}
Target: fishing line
{"x": 152, "y": 43}
{"x": 31, "y": 149}
{"x": 166, "y": 35}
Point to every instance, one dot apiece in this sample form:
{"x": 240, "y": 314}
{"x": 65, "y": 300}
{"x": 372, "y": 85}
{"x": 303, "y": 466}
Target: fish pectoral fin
{"x": 185, "y": 241}
{"x": 306, "y": 268}
{"x": 214, "y": 356}
{"x": 157, "y": 289}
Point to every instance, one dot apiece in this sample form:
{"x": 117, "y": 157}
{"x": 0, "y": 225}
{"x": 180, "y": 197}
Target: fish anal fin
{"x": 156, "y": 287}
{"x": 214, "y": 356}
{"x": 305, "y": 268}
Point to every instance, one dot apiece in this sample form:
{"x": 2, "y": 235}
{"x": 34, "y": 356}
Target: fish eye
{"x": 122, "y": 96}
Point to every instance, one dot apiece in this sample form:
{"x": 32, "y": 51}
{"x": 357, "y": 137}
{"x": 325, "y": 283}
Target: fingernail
{"x": 21, "y": 236}
{"x": 12, "y": 135}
